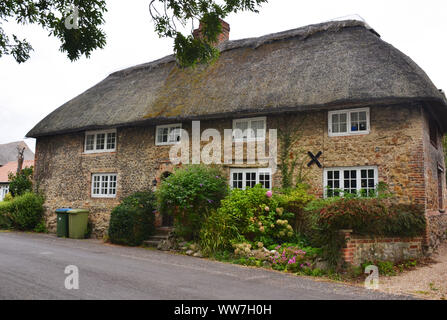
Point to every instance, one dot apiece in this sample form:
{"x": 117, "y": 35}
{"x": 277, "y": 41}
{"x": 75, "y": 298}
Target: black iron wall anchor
{"x": 315, "y": 159}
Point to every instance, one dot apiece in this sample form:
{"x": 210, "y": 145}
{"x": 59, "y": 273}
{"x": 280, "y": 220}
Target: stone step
{"x": 151, "y": 243}
{"x": 159, "y": 237}
{"x": 163, "y": 231}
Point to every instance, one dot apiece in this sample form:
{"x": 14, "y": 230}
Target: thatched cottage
{"x": 365, "y": 108}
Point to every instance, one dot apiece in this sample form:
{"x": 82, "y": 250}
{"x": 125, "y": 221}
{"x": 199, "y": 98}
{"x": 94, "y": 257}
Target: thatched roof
{"x": 8, "y": 152}
{"x": 318, "y": 66}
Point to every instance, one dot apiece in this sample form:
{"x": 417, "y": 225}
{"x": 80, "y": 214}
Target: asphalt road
{"x": 32, "y": 267}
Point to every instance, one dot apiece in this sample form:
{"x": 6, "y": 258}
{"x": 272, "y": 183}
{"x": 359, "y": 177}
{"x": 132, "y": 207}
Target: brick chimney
{"x": 224, "y": 36}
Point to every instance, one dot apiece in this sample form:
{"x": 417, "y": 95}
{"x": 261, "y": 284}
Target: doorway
{"x": 167, "y": 220}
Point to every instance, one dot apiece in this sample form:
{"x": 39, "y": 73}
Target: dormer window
{"x": 348, "y": 122}
{"x": 100, "y": 141}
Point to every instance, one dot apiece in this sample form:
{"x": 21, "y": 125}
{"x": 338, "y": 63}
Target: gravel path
{"x": 428, "y": 282}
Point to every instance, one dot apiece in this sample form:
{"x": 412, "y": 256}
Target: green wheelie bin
{"x": 62, "y": 222}
{"x": 77, "y": 223}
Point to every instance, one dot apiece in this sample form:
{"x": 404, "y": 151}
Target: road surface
{"x": 32, "y": 267}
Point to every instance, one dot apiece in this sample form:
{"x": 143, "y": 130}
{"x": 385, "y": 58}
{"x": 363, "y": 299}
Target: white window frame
{"x": 95, "y": 133}
{"x": 103, "y": 195}
{"x": 175, "y": 125}
{"x": 4, "y": 190}
{"x": 249, "y": 128}
{"x": 258, "y": 171}
{"x": 341, "y": 177}
{"x": 348, "y": 122}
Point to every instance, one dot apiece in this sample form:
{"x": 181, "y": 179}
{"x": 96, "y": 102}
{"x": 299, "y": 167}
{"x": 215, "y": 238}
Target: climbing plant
{"x": 290, "y": 156}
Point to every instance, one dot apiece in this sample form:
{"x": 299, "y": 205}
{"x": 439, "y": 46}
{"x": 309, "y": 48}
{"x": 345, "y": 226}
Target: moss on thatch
{"x": 331, "y": 64}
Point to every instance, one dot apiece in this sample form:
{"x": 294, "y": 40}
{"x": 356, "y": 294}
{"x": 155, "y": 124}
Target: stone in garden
{"x": 198, "y": 254}
{"x": 322, "y": 265}
{"x": 164, "y": 245}
{"x": 189, "y": 252}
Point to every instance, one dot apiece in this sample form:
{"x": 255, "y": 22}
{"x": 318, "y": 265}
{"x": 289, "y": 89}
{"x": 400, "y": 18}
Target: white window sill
{"x": 103, "y": 197}
{"x": 99, "y": 151}
{"x": 167, "y": 143}
{"x": 346, "y": 134}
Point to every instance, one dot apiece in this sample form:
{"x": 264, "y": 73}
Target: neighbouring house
{"x": 5, "y": 170}
{"x": 8, "y": 152}
{"x": 361, "y": 107}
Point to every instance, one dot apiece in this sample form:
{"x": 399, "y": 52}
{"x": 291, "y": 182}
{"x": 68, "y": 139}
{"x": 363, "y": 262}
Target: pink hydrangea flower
{"x": 269, "y": 194}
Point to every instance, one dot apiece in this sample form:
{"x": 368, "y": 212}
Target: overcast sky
{"x": 29, "y": 91}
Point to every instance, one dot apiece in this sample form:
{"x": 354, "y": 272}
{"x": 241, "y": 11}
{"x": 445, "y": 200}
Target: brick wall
{"x": 360, "y": 249}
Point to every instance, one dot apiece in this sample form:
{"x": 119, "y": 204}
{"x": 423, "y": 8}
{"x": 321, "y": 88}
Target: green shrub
{"x": 5, "y": 219}
{"x": 293, "y": 201}
{"x": 8, "y": 197}
{"x": 365, "y": 216}
{"x": 218, "y": 233}
{"x": 248, "y": 216}
{"x": 190, "y": 194}
{"x": 41, "y": 227}
{"x": 26, "y": 211}
{"x": 21, "y": 183}
{"x": 132, "y": 221}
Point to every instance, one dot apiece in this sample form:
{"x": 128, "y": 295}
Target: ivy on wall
{"x": 291, "y": 158}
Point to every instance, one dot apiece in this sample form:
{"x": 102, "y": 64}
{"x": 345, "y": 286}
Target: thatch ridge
{"x": 319, "y": 66}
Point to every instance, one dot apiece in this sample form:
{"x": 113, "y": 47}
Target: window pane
{"x": 335, "y": 123}
{"x": 112, "y": 185}
{"x": 237, "y": 180}
{"x": 264, "y": 179}
{"x": 90, "y": 142}
{"x": 174, "y": 134}
{"x": 363, "y": 126}
{"x": 104, "y": 184}
{"x": 111, "y": 138}
{"x": 354, "y": 122}
{"x": 250, "y": 179}
{"x": 258, "y": 128}
{"x": 242, "y": 132}
{"x": 363, "y": 173}
{"x": 362, "y": 116}
{"x": 100, "y": 141}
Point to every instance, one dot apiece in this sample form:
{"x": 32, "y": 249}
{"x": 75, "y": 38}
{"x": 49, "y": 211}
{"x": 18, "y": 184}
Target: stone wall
{"x": 395, "y": 145}
{"x": 360, "y": 249}
{"x": 436, "y": 231}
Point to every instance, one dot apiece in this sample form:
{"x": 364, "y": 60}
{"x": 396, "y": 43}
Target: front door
{"x": 167, "y": 221}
